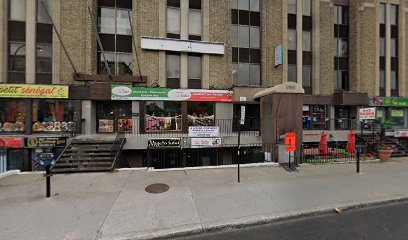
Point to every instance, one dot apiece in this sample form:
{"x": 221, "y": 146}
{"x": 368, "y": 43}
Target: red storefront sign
{"x": 10, "y": 142}
{"x": 210, "y": 96}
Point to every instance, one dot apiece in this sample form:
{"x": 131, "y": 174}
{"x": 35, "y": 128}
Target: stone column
{"x": 205, "y": 66}
{"x": 316, "y": 47}
{"x": 56, "y": 45}
{"x": 162, "y": 33}
{"x": 285, "y": 40}
{"x": 31, "y": 27}
{"x": 299, "y": 42}
{"x": 184, "y": 7}
{"x": 388, "y": 50}
{"x": 3, "y": 40}
{"x": 402, "y": 81}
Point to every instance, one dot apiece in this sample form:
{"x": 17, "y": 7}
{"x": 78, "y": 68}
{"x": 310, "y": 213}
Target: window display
{"x": 200, "y": 113}
{"x": 12, "y": 115}
{"x": 397, "y": 117}
{"x": 53, "y": 116}
{"x": 114, "y": 116}
{"x": 162, "y": 115}
{"x": 315, "y": 117}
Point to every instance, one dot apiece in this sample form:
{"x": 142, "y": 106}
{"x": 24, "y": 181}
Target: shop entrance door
{"x": 114, "y": 116}
{"x": 160, "y": 158}
{"x": 18, "y": 159}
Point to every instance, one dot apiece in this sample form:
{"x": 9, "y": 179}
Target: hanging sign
{"x": 290, "y": 141}
{"x": 33, "y": 91}
{"x": 367, "y": 114}
{"x": 203, "y": 131}
{"x": 242, "y": 120}
{"x": 278, "y": 55}
{"x": 205, "y": 142}
{"x": 128, "y": 92}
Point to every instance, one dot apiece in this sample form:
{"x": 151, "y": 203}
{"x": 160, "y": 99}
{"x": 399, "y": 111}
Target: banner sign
{"x": 388, "y": 102}
{"x": 401, "y": 134}
{"x": 366, "y": 114}
{"x": 290, "y": 141}
{"x": 205, "y": 142}
{"x": 203, "y": 131}
{"x": 10, "y": 142}
{"x": 33, "y": 91}
{"x": 278, "y": 55}
{"x": 172, "y": 142}
{"x": 45, "y": 142}
{"x": 127, "y": 92}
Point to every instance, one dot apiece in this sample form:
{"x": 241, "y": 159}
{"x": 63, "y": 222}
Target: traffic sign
{"x": 290, "y": 141}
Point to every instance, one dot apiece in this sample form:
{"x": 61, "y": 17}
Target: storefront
{"x": 391, "y": 109}
{"x": 316, "y": 117}
{"x": 114, "y": 116}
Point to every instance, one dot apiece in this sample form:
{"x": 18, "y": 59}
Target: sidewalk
{"x": 116, "y": 206}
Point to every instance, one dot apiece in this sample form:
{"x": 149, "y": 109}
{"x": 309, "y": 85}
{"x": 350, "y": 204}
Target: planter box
{"x": 384, "y": 155}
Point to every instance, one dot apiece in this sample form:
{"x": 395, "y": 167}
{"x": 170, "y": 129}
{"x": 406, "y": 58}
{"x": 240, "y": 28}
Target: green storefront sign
{"x": 388, "y": 102}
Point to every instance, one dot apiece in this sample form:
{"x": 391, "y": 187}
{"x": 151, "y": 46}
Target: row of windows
{"x": 306, "y": 7}
{"x": 194, "y": 19}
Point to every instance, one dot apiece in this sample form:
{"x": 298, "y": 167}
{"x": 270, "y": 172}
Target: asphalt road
{"x": 383, "y": 222}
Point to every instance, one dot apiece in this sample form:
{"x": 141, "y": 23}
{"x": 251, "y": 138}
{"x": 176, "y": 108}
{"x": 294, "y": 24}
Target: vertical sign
{"x": 290, "y": 141}
{"x": 242, "y": 122}
{"x": 278, "y": 55}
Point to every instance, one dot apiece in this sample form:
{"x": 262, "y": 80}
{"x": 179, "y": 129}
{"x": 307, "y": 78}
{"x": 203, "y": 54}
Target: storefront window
{"x": 397, "y": 117}
{"x": 54, "y": 116}
{"x": 12, "y": 115}
{"x": 342, "y": 120}
{"x": 315, "y": 117}
{"x": 200, "y": 113}
{"x": 114, "y": 117}
{"x": 163, "y": 116}
{"x": 380, "y": 115}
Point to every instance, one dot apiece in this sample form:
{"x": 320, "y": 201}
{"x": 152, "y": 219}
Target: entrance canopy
{"x": 287, "y": 87}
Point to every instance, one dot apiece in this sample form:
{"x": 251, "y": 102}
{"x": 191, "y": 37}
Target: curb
{"x": 9, "y": 173}
{"x": 255, "y": 220}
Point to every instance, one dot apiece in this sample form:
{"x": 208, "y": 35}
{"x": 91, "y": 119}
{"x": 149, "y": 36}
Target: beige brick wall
{"x": 78, "y": 38}
{"x": 271, "y": 36}
{"x": 326, "y": 49}
{"x": 220, "y": 66}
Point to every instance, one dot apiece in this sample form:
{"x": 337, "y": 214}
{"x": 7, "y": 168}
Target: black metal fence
{"x": 176, "y": 127}
{"x": 336, "y": 152}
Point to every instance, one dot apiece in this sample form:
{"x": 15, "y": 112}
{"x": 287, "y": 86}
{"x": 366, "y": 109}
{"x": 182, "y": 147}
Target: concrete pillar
{"x": 402, "y": 81}
{"x": 162, "y": 33}
{"x": 388, "y": 50}
{"x": 316, "y": 48}
{"x": 31, "y": 20}
{"x": 184, "y": 7}
{"x": 3, "y": 40}
{"x": 136, "y": 117}
{"x": 285, "y": 40}
{"x": 56, "y": 45}
{"x": 377, "y": 45}
{"x": 205, "y": 68}
{"x": 89, "y": 116}
{"x": 331, "y": 117}
{"x": 299, "y": 41}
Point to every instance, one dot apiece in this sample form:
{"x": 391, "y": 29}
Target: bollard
{"x": 358, "y": 151}
{"x": 48, "y": 180}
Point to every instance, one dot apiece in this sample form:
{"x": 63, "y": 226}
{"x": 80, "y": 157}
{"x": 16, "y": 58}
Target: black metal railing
{"x": 177, "y": 127}
{"x": 116, "y": 149}
{"x": 336, "y": 152}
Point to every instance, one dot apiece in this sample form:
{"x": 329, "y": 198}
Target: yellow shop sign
{"x": 33, "y": 91}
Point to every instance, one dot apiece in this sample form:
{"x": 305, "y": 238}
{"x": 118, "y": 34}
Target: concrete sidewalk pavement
{"x": 116, "y": 206}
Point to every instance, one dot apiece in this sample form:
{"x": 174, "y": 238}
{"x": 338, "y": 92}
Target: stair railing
{"x": 117, "y": 146}
{"x": 396, "y": 143}
{"x": 62, "y": 153}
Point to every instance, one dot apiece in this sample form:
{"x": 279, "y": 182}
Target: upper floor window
{"x": 173, "y": 18}
{"x": 382, "y": 13}
{"x": 173, "y": 70}
{"x": 394, "y": 14}
{"x": 17, "y": 10}
{"x": 194, "y": 20}
{"x": 340, "y": 15}
{"x": 307, "y": 7}
{"x": 42, "y": 16}
{"x": 292, "y": 6}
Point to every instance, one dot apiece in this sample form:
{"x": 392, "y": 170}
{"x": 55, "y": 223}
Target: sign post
{"x": 47, "y": 160}
{"x": 241, "y": 122}
{"x": 290, "y": 142}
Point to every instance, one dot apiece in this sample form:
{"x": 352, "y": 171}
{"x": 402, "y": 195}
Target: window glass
{"x": 17, "y": 52}
{"x": 243, "y": 74}
{"x": 163, "y": 116}
{"x": 255, "y": 74}
{"x": 254, "y": 5}
{"x": 394, "y": 14}
{"x": 307, "y": 7}
{"x": 394, "y": 47}
{"x": 292, "y": 6}
{"x": 12, "y": 115}
{"x": 382, "y": 47}
{"x": 382, "y": 79}
{"x": 243, "y": 36}
{"x": 42, "y": 16}
{"x": 307, "y": 41}
{"x": 110, "y": 58}
{"x": 307, "y": 76}
{"x": 107, "y": 20}
{"x": 341, "y": 115}
{"x": 194, "y": 67}
{"x": 343, "y": 15}
{"x": 194, "y": 23}
{"x": 252, "y": 117}
{"x": 173, "y": 20}
{"x": 235, "y": 73}
{"x": 292, "y": 39}
{"x": 18, "y": 10}
{"x": 234, "y": 4}
{"x": 292, "y": 73}
{"x": 53, "y": 115}
{"x": 122, "y": 22}
{"x": 243, "y": 4}
{"x": 336, "y": 10}
{"x": 394, "y": 80}
{"x": 200, "y": 113}
{"x": 234, "y": 35}
{"x": 397, "y": 117}
{"x": 125, "y": 64}
{"x": 343, "y": 48}
{"x": 382, "y": 13}
{"x": 44, "y": 58}
{"x": 254, "y": 37}
{"x": 173, "y": 66}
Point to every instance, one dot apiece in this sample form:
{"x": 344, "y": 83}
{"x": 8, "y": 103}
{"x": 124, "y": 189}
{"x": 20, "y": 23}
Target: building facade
{"x": 98, "y": 67}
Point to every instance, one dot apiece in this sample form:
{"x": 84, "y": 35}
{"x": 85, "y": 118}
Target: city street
{"x": 375, "y": 223}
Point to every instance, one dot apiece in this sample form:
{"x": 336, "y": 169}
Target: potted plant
{"x": 384, "y": 152}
